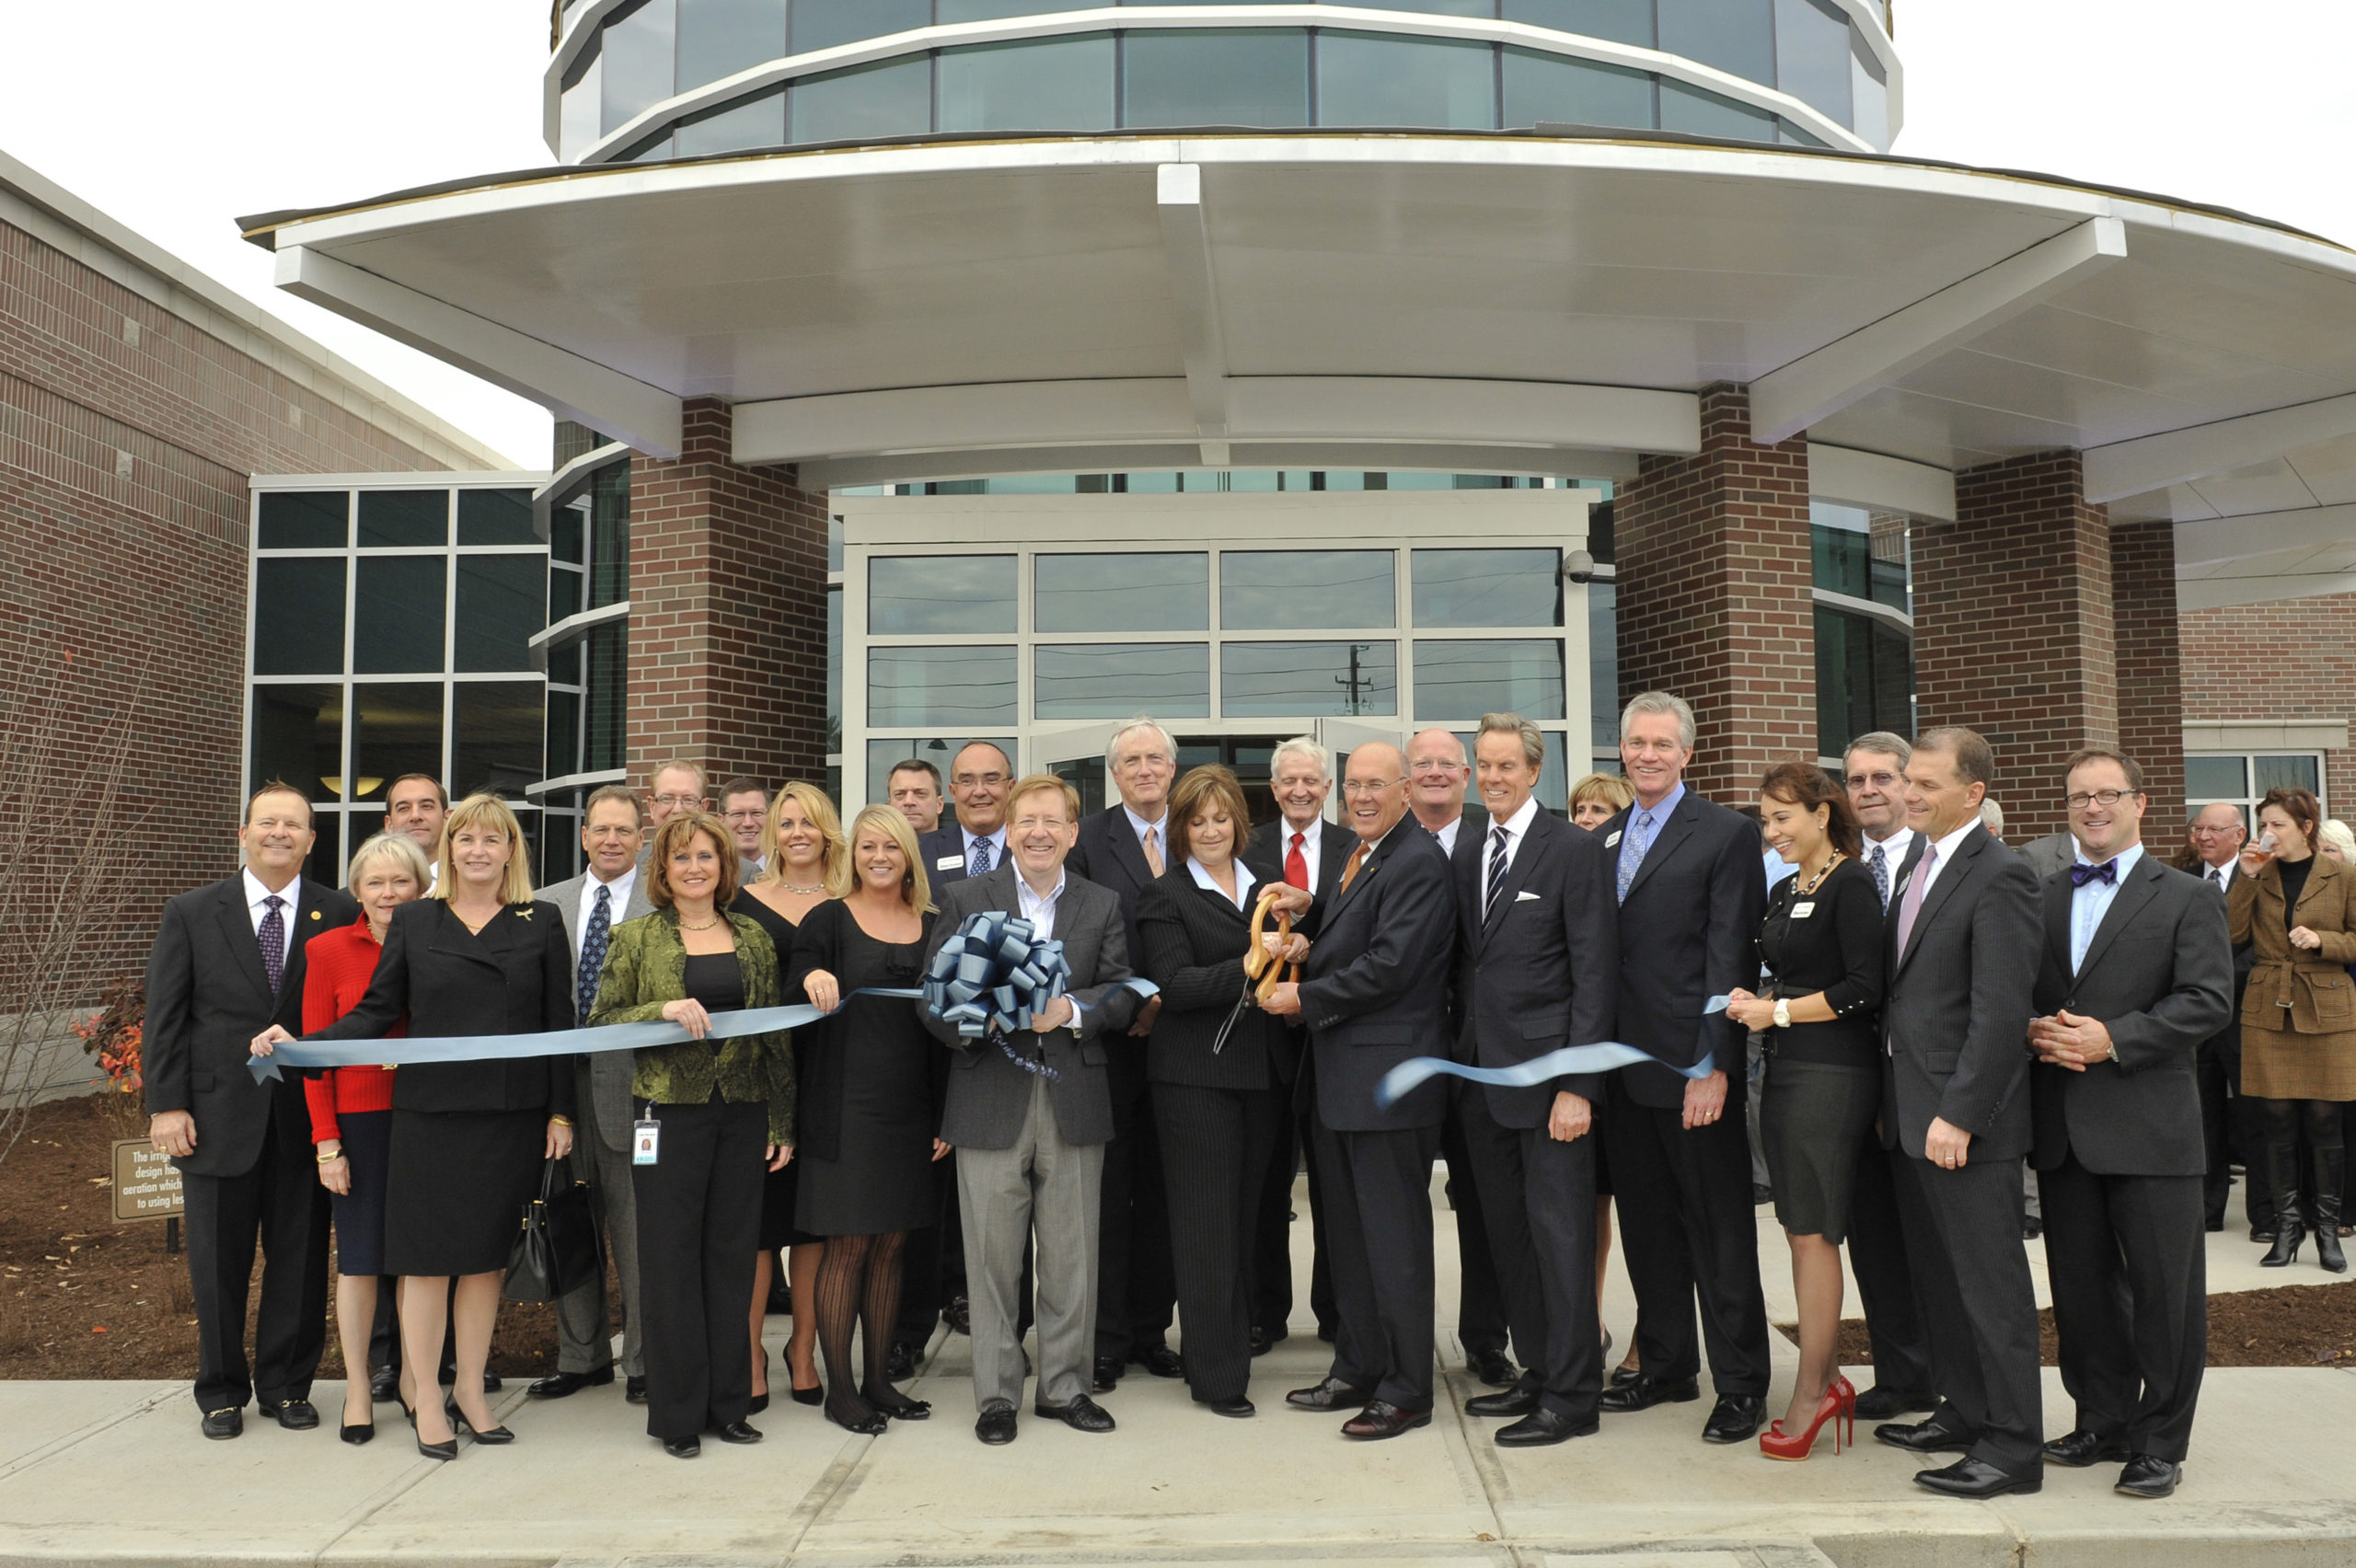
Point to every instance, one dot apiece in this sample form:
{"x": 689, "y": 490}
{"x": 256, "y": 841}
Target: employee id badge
{"x": 646, "y": 1140}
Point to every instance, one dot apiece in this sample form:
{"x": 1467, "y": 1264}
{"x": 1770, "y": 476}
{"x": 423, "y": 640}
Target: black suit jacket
{"x": 1689, "y": 930}
{"x": 943, "y": 844}
{"x": 1541, "y": 971}
{"x": 1956, "y": 1015}
{"x": 1374, "y": 990}
{"x": 516, "y": 977}
{"x": 208, "y": 995}
{"x": 1270, "y": 839}
{"x": 1105, "y": 850}
{"x": 2159, "y": 976}
{"x": 1194, "y": 942}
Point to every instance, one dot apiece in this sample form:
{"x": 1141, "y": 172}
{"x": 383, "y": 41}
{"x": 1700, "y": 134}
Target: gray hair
{"x": 1533, "y": 743}
{"x": 1302, "y": 745}
{"x": 1661, "y": 702}
{"x": 1881, "y": 743}
{"x": 1991, "y": 816}
{"x": 1142, "y": 721}
{"x": 2335, "y": 833}
{"x": 398, "y": 847}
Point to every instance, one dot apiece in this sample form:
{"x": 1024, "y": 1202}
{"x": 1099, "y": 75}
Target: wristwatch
{"x": 1783, "y": 1013}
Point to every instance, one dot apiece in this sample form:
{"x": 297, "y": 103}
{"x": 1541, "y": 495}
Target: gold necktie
{"x": 1350, "y": 871}
{"x": 1153, "y": 850}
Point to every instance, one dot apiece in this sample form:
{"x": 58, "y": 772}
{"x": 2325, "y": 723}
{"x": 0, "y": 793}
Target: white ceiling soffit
{"x": 1153, "y": 457}
{"x": 2154, "y": 462}
{"x": 2255, "y": 537}
{"x": 1889, "y": 484}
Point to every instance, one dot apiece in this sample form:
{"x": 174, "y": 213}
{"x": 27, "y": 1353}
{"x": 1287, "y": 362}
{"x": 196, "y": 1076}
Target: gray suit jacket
{"x": 988, "y": 1094}
{"x": 2047, "y": 855}
{"x": 607, "y": 1090}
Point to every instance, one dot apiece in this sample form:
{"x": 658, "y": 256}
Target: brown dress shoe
{"x": 1383, "y": 1419}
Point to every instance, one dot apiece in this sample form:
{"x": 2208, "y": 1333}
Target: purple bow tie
{"x": 2081, "y": 873}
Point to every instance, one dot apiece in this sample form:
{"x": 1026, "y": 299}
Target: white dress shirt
{"x": 1161, "y": 830}
{"x": 1243, "y": 880}
{"x": 1516, "y": 827}
{"x": 2089, "y": 904}
{"x": 2222, "y": 877}
{"x": 1892, "y": 851}
{"x": 256, "y": 907}
{"x": 997, "y": 844}
{"x": 621, "y": 886}
{"x": 1447, "y": 836}
{"x": 1040, "y": 913}
{"x": 1313, "y": 840}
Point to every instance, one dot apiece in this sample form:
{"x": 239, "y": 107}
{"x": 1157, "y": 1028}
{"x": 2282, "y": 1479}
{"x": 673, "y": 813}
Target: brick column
{"x": 2150, "y": 671}
{"x": 2013, "y": 632}
{"x": 1716, "y": 579}
{"x": 728, "y": 612}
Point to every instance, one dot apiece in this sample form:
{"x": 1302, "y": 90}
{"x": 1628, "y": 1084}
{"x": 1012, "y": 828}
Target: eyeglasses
{"x": 2104, "y": 797}
{"x": 987, "y": 780}
{"x": 678, "y": 802}
{"x": 1421, "y": 768}
{"x": 1878, "y": 780}
{"x": 1369, "y": 786}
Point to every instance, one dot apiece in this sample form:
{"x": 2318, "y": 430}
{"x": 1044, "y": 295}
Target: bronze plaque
{"x": 146, "y": 1184}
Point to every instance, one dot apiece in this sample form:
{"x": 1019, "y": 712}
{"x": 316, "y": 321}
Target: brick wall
{"x": 727, "y": 612}
{"x": 1716, "y": 584}
{"x": 2293, "y": 659}
{"x": 2151, "y": 680}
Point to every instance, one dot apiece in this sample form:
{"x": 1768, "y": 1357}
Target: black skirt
{"x": 455, "y": 1188}
{"x": 1813, "y": 1121}
{"x": 780, "y": 1193}
{"x": 360, "y": 1213}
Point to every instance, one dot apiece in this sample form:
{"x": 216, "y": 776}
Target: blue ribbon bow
{"x": 996, "y": 974}
{"x": 1602, "y": 1058}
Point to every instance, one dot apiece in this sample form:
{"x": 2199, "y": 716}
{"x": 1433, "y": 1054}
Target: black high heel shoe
{"x": 814, "y": 1394}
{"x": 867, "y": 1425}
{"x": 448, "y": 1450}
{"x": 493, "y": 1437}
{"x": 897, "y": 1405}
{"x": 355, "y": 1435}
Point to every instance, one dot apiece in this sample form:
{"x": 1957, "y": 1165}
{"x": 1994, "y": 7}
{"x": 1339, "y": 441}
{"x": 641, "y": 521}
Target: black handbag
{"x": 558, "y": 1247}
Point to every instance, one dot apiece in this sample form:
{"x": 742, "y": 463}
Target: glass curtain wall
{"x": 586, "y": 651}
{"x": 1864, "y": 624}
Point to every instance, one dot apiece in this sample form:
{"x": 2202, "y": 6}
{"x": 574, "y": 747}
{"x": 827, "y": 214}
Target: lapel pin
{"x": 315, "y": 913}
{"x": 523, "y": 912}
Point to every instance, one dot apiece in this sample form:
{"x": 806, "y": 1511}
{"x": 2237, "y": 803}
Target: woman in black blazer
{"x": 1220, "y": 1067}
{"x": 477, "y": 956}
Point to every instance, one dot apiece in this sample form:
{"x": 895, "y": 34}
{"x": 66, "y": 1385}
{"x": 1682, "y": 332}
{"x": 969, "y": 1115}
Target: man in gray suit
{"x": 1030, "y": 1115}
{"x": 610, "y": 892}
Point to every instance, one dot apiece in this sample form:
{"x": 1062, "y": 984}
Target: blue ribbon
{"x": 996, "y": 974}
{"x": 1607, "y": 1055}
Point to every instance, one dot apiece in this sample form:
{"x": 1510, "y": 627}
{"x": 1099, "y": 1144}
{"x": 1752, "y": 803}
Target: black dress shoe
{"x": 2031, "y": 1228}
{"x": 295, "y": 1415}
{"x": 2146, "y": 1476}
{"x": 634, "y": 1390}
{"x": 1761, "y": 1194}
{"x": 222, "y": 1424}
{"x": 683, "y": 1447}
{"x": 1881, "y": 1402}
{"x": 1735, "y": 1418}
{"x": 1238, "y": 1407}
{"x": 1331, "y": 1394}
{"x": 2081, "y": 1448}
{"x": 737, "y": 1432}
{"x": 384, "y": 1384}
{"x": 1492, "y": 1367}
{"x": 1382, "y": 1419}
{"x": 1643, "y": 1392}
{"x": 1083, "y": 1414}
{"x": 564, "y": 1385}
{"x": 1160, "y": 1360}
{"x": 1519, "y": 1400}
{"x": 493, "y": 1382}
{"x": 1976, "y": 1478}
{"x": 1107, "y": 1375}
{"x": 959, "y": 1316}
{"x": 1263, "y": 1340}
{"x": 1623, "y": 1376}
{"x": 1924, "y": 1437}
{"x": 995, "y": 1424}
{"x": 1541, "y": 1427}
{"x": 901, "y": 1364}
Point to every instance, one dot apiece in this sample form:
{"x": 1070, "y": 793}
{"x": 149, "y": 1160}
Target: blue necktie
{"x": 1881, "y": 876}
{"x": 978, "y": 859}
{"x": 1632, "y": 856}
{"x": 271, "y": 934}
{"x": 593, "y": 951}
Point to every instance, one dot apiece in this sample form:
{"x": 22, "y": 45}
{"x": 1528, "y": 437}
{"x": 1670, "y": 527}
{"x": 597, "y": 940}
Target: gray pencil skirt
{"x": 1814, "y": 1121}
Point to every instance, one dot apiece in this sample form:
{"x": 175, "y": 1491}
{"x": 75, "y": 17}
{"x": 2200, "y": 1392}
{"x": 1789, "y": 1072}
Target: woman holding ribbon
{"x": 1822, "y": 942}
{"x": 870, "y": 1111}
{"x": 715, "y": 1110}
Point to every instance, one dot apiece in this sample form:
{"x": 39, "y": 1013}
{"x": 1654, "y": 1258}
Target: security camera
{"x": 1578, "y": 567}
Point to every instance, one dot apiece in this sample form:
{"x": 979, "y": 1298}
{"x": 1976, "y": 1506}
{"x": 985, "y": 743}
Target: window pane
{"x": 1701, "y": 113}
{"x": 1603, "y": 667}
{"x": 568, "y": 528}
{"x": 1308, "y": 679}
{"x": 1812, "y": 55}
{"x": 304, "y": 520}
{"x": 1733, "y": 35}
{"x": 499, "y": 610}
{"x": 564, "y": 664}
{"x": 2216, "y": 778}
{"x": 638, "y": 62}
{"x": 1435, "y": 7}
{"x": 989, "y": 10}
{"x": 941, "y": 686}
{"x": 1464, "y": 680}
{"x": 1120, "y": 593}
{"x": 752, "y": 123}
{"x": 1788, "y": 134}
{"x": 298, "y": 617}
{"x": 563, "y": 734}
{"x": 822, "y": 24}
{"x": 1893, "y": 680}
{"x": 1488, "y": 587}
{"x": 910, "y": 595}
{"x": 1282, "y": 590}
{"x": 719, "y": 38}
{"x": 2286, "y": 773}
{"x": 394, "y": 730}
{"x": 1843, "y": 548}
{"x": 298, "y": 739}
{"x": 1868, "y": 104}
{"x": 1554, "y": 88}
{"x": 495, "y": 517}
{"x": 1371, "y": 79}
{"x": 1622, "y": 22}
{"x": 835, "y": 669}
{"x": 584, "y": 104}
{"x": 939, "y": 750}
{"x": 1113, "y": 680}
{"x": 1062, "y": 84}
{"x": 604, "y": 740}
{"x": 407, "y": 518}
{"x": 496, "y": 736}
{"x": 398, "y": 615}
{"x": 564, "y": 595}
{"x": 609, "y": 537}
{"x": 1214, "y": 77}
{"x": 891, "y": 100}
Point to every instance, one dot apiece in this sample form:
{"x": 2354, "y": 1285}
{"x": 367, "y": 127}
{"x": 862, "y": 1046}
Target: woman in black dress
{"x": 1822, "y": 942}
{"x": 870, "y": 1118}
{"x": 807, "y": 861}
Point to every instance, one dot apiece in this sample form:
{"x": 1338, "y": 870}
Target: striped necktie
{"x": 1498, "y": 841}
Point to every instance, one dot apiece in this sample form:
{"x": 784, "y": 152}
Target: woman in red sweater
{"x": 351, "y": 1108}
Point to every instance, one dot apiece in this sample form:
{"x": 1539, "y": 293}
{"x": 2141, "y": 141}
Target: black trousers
{"x": 2131, "y": 1304}
{"x": 1493, "y": 1202}
{"x": 1482, "y": 1324}
{"x": 1688, "y": 1228}
{"x": 1538, "y": 1200}
{"x": 1271, "y": 1257}
{"x": 281, "y": 1205}
{"x": 1136, "y": 1292}
{"x": 1878, "y": 1256}
{"x": 699, "y": 1227}
{"x": 1379, "y": 1229}
{"x": 1983, "y": 1334}
{"x": 2214, "y": 1070}
{"x": 1215, "y": 1144}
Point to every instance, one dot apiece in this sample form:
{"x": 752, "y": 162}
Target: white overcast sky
{"x": 175, "y": 118}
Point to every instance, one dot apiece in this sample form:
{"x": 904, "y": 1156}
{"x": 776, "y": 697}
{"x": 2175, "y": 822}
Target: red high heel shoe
{"x": 1839, "y": 1406}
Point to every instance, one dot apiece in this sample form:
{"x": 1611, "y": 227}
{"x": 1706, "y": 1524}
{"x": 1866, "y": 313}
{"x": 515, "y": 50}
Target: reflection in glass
{"x": 1700, "y": 113}
{"x": 564, "y": 594}
{"x": 939, "y": 750}
{"x": 495, "y": 517}
{"x": 1488, "y": 587}
{"x": 749, "y": 123}
{"x": 563, "y": 756}
{"x": 298, "y": 616}
{"x": 1113, "y": 680}
{"x": 1216, "y": 76}
{"x": 638, "y": 62}
{"x": 1308, "y": 679}
{"x": 499, "y": 610}
{"x": 1789, "y": 133}
{"x": 610, "y": 535}
{"x": 397, "y": 729}
{"x": 1865, "y": 679}
{"x": 1622, "y": 22}
{"x": 1736, "y": 36}
{"x": 835, "y": 668}
{"x": 1435, "y": 7}
{"x": 937, "y": 595}
{"x": 398, "y": 613}
{"x": 304, "y": 520}
{"x": 1285, "y": 590}
{"x": 1121, "y": 593}
{"x": 1062, "y": 84}
{"x": 719, "y": 38}
{"x": 941, "y": 686}
{"x": 1557, "y": 89}
{"x": 1603, "y": 667}
{"x": 1464, "y": 680}
{"x": 2216, "y": 778}
{"x": 404, "y": 518}
{"x": 606, "y": 698}
{"x": 1377, "y": 79}
{"x": 2285, "y": 773}
{"x": 567, "y": 531}
{"x": 946, "y": 11}
{"x": 1812, "y": 55}
{"x": 298, "y": 739}
{"x": 822, "y": 24}
{"x": 495, "y": 732}
{"x": 564, "y": 664}
{"x": 1869, "y": 101}
{"x": 894, "y": 98}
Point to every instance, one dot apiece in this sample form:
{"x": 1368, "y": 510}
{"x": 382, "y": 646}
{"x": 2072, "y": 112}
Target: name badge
{"x": 1802, "y": 911}
{"x": 646, "y": 1141}
{"x": 1613, "y": 842}
{"x": 948, "y": 862}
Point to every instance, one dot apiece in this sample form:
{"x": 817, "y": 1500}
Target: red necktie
{"x": 1297, "y": 864}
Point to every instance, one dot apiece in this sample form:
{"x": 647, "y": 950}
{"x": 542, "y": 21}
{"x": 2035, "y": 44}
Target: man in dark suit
{"x": 1964, "y": 937}
{"x": 914, "y": 788}
{"x": 1686, "y": 875}
{"x": 980, "y": 776}
{"x": 1311, "y": 851}
{"x": 1374, "y": 993}
{"x": 1124, "y": 847}
{"x": 2138, "y": 972}
{"x": 1030, "y": 1118}
{"x": 1537, "y": 953}
{"x": 2217, "y": 834}
{"x": 228, "y": 964}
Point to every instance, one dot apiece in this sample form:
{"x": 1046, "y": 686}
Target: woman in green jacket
{"x": 714, "y": 1111}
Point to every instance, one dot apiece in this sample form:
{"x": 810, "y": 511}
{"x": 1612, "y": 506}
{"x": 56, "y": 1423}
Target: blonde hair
{"x": 398, "y": 847}
{"x": 1609, "y": 786}
{"x": 833, "y": 854}
{"x": 1038, "y": 783}
{"x": 472, "y": 815}
{"x": 916, "y": 889}
{"x": 677, "y": 831}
